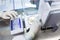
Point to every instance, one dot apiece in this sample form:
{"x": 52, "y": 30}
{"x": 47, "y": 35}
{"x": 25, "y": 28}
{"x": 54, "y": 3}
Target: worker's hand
{"x": 5, "y": 17}
{"x": 9, "y": 15}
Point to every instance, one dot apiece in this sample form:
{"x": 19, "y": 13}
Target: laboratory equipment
{"x": 49, "y": 13}
{"x": 17, "y": 25}
{"x": 23, "y": 5}
{"x": 35, "y": 2}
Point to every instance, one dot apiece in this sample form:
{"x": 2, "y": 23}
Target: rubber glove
{"x": 5, "y": 17}
{"x": 8, "y": 15}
